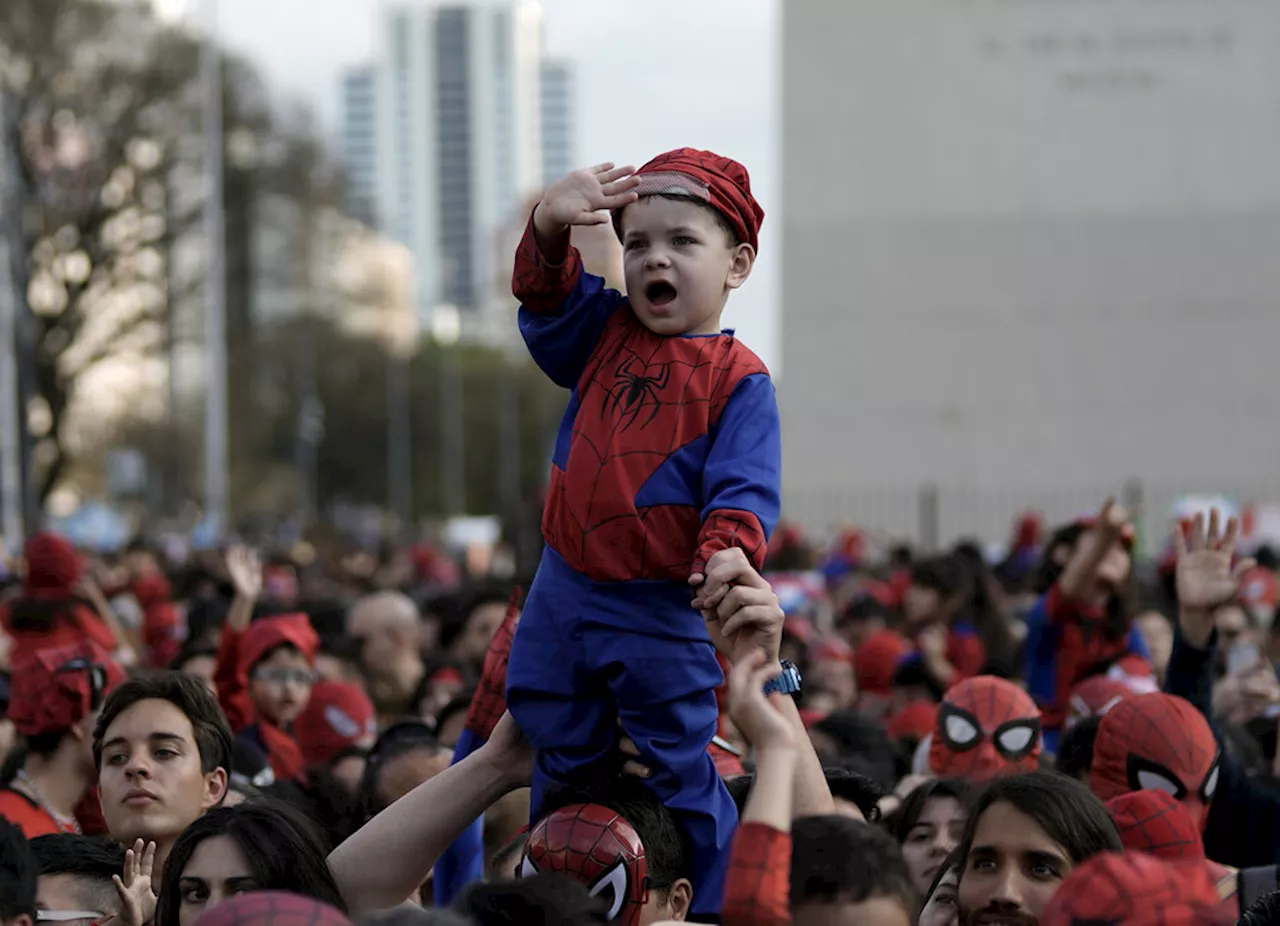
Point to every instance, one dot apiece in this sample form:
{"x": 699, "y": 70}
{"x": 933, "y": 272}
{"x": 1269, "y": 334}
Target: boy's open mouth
{"x": 660, "y": 293}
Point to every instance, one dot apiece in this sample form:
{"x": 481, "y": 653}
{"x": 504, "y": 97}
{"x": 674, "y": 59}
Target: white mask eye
{"x": 1154, "y": 781}
{"x": 527, "y": 868}
{"x": 612, "y": 888}
{"x": 1016, "y": 739}
{"x": 960, "y": 731}
{"x": 1210, "y": 784}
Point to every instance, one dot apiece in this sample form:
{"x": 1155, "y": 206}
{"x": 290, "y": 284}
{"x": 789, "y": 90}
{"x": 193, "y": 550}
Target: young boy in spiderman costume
{"x": 669, "y": 452}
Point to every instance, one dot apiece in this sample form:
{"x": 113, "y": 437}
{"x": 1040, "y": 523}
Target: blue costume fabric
{"x": 669, "y": 451}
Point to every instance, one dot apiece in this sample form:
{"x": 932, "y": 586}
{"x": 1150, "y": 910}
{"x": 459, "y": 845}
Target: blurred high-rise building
{"x": 1030, "y": 254}
{"x": 557, "y": 120}
{"x": 456, "y": 131}
{"x": 358, "y": 142}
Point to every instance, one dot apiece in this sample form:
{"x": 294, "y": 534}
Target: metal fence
{"x": 933, "y": 516}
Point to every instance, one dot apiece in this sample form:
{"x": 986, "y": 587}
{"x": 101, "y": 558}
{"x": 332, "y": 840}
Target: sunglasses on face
{"x": 281, "y": 676}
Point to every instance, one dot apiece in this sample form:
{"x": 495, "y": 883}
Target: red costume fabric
{"x": 596, "y": 847}
{"x": 913, "y": 722}
{"x": 490, "y": 700}
{"x": 758, "y": 889}
{"x": 876, "y": 661}
{"x": 1093, "y": 697}
{"x": 338, "y": 716}
{"x": 161, "y": 619}
{"x": 987, "y": 727}
{"x": 237, "y": 655}
{"x": 272, "y": 908}
{"x": 1136, "y": 890}
{"x": 1157, "y": 742}
{"x": 53, "y": 572}
{"x": 54, "y": 689}
{"x": 1155, "y": 823}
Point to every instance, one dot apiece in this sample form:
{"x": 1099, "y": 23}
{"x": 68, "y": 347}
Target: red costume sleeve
{"x": 758, "y": 888}
{"x": 233, "y": 695}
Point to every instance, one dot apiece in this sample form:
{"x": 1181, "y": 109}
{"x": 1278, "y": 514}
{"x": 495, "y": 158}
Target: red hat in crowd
{"x": 876, "y": 661}
{"x": 1155, "y": 823}
{"x": 338, "y": 716}
{"x": 1136, "y": 890}
{"x": 720, "y": 182}
{"x": 54, "y": 689}
{"x": 53, "y": 565}
{"x": 265, "y": 635}
{"x": 833, "y": 649}
{"x": 273, "y": 908}
{"x": 913, "y": 722}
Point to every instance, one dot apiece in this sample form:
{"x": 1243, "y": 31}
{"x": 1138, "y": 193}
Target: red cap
{"x": 339, "y": 715}
{"x": 53, "y": 565}
{"x": 54, "y": 689}
{"x": 833, "y": 650}
{"x": 265, "y": 635}
{"x": 876, "y": 660}
{"x": 721, "y": 182}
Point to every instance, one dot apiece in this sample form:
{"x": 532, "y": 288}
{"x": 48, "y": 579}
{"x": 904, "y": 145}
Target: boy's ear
{"x": 744, "y": 258}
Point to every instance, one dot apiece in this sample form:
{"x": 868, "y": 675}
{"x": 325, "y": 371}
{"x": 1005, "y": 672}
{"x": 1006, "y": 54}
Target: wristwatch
{"x": 786, "y": 683}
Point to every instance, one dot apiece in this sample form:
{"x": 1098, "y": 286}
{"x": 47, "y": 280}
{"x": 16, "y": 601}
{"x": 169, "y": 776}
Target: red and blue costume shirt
{"x": 671, "y": 447}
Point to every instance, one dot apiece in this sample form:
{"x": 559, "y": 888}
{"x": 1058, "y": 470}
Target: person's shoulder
{"x": 25, "y": 813}
{"x": 739, "y": 355}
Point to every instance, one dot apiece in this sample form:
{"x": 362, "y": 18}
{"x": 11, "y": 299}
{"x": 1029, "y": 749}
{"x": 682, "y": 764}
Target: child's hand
{"x": 751, "y": 710}
{"x": 245, "y": 570}
{"x": 1113, "y": 519}
{"x": 739, "y": 606}
{"x": 585, "y": 197}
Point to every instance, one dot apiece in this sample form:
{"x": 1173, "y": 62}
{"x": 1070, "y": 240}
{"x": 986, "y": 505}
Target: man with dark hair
{"x": 1024, "y": 835}
{"x": 56, "y": 696}
{"x": 163, "y": 751}
{"x": 75, "y": 875}
{"x": 1265, "y": 912}
{"x": 540, "y": 899}
{"x": 17, "y": 878}
{"x": 845, "y": 871}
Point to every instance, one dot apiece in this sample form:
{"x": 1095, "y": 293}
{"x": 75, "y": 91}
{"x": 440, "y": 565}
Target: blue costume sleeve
{"x": 463, "y": 862}
{"x": 563, "y": 309}
{"x": 742, "y": 479}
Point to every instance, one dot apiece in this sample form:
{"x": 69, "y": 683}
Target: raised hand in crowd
{"x": 1208, "y": 574}
{"x": 135, "y": 889}
{"x": 245, "y": 571}
{"x": 584, "y": 197}
{"x": 1087, "y": 576}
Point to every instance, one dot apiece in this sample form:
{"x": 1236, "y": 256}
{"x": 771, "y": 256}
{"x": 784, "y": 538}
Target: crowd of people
{"x": 692, "y": 715}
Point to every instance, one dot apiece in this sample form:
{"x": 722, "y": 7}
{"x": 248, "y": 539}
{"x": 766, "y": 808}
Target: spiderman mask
{"x": 1157, "y": 742}
{"x": 596, "y": 847}
{"x": 987, "y": 727}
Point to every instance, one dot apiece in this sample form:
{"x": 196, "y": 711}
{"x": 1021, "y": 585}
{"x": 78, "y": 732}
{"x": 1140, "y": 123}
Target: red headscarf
{"x": 987, "y": 727}
{"x": 1156, "y": 742}
{"x": 265, "y": 635}
{"x": 721, "y": 182}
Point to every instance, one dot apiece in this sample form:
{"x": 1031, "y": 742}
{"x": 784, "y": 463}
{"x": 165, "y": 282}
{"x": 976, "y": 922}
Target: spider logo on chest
{"x": 635, "y": 394}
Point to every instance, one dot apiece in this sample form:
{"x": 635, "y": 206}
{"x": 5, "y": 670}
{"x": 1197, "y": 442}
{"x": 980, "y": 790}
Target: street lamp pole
{"x": 11, "y": 501}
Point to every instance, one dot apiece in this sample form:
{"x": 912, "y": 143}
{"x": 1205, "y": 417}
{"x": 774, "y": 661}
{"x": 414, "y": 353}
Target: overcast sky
{"x": 651, "y": 76}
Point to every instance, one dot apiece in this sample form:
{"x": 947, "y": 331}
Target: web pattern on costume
{"x": 642, "y": 399}
{"x": 273, "y": 908}
{"x": 1118, "y": 890}
{"x": 490, "y": 701}
{"x": 1155, "y": 823}
{"x": 596, "y": 847}
{"x": 757, "y": 889}
{"x": 1164, "y": 731}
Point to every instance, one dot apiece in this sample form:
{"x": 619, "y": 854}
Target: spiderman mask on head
{"x": 1157, "y": 742}
{"x": 596, "y": 847}
{"x": 987, "y": 727}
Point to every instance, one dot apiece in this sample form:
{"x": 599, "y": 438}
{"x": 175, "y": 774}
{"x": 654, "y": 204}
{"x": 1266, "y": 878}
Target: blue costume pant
{"x": 587, "y": 653}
